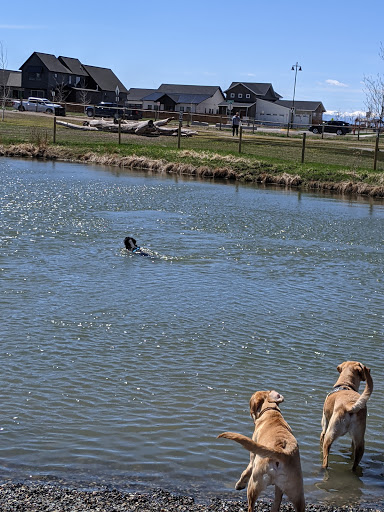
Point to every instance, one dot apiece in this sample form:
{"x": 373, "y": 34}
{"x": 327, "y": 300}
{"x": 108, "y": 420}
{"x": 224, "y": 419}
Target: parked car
{"x": 105, "y": 109}
{"x": 338, "y": 127}
{"x": 39, "y": 105}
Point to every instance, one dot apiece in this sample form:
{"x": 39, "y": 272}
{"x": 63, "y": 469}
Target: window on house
{"x": 181, "y": 109}
{"x": 232, "y": 94}
{"x": 69, "y": 79}
{"x": 34, "y": 76}
{"x": 150, "y": 107}
{"x": 37, "y": 94}
{"x": 240, "y": 95}
{"x": 247, "y": 96}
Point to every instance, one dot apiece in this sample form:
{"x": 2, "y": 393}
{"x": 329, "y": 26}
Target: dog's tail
{"x": 362, "y": 401}
{"x": 259, "y": 449}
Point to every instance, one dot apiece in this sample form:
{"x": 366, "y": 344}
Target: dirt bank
{"x": 259, "y": 174}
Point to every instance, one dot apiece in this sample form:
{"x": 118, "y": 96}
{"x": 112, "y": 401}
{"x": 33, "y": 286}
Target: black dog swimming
{"x": 130, "y": 245}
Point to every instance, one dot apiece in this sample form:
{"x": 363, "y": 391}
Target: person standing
{"x": 235, "y": 124}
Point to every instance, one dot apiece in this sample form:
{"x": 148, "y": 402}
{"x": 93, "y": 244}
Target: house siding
{"x": 46, "y": 83}
{"x": 271, "y": 113}
{"x": 210, "y": 105}
{"x": 240, "y": 89}
{"x": 45, "y": 75}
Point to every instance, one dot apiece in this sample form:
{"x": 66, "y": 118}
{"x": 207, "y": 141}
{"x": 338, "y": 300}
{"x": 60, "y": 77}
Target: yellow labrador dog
{"x": 274, "y": 454}
{"x": 345, "y": 410}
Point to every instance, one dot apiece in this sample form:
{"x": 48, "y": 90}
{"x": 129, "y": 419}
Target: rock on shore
{"x": 38, "y": 497}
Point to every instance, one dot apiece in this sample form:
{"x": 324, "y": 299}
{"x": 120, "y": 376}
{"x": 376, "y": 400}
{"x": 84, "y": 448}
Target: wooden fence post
{"x": 240, "y": 138}
{"x": 303, "y": 148}
{"x": 376, "y": 152}
{"x": 119, "y": 131}
{"x": 179, "y": 135}
{"x": 54, "y": 129}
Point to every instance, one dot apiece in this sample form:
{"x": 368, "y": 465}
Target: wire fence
{"x": 359, "y": 150}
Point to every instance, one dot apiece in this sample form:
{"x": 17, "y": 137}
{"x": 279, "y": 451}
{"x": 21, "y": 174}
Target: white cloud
{"x": 336, "y": 83}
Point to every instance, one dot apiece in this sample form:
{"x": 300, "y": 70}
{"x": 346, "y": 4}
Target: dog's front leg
{"x": 324, "y": 425}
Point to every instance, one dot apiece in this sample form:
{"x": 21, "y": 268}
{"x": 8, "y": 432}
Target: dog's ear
{"x": 362, "y": 371}
{"x": 275, "y": 397}
{"x": 341, "y": 367}
{"x": 256, "y": 401}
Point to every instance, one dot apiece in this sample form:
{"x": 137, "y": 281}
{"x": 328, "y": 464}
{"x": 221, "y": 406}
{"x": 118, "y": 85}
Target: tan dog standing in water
{"x": 346, "y": 411}
{"x": 274, "y": 454}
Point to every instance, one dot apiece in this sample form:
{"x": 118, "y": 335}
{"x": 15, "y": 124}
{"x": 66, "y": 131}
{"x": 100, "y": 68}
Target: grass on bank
{"x": 332, "y": 159}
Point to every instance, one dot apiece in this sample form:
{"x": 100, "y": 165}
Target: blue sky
{"x": 211, "y": 42}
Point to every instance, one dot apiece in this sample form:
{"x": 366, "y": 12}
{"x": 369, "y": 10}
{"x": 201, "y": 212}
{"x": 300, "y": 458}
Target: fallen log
{"x": 145, "y": 128}
{"x": 76, "y": 126}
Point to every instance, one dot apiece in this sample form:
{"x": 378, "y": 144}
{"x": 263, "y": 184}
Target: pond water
{"x": 123, "y": 369}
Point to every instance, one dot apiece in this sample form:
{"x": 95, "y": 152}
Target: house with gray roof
{"x": 261, "y": 102}
{"x": 46, "y": 76}
{"x": 242, "y": 97}
{"x": 305, "y": 112}
{"x": 10, "y": 84}
{"x": 135, "y": 97}
{"x": 200, "y": 99}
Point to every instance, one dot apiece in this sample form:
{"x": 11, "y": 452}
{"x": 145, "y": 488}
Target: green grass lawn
{"x": 333, "y": 158}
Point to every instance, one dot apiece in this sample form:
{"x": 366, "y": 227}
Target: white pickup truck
{"x": 39, "y": 105}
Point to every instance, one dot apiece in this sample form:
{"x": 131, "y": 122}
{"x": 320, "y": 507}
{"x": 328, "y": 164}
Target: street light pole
{"x": 296, "y": 67}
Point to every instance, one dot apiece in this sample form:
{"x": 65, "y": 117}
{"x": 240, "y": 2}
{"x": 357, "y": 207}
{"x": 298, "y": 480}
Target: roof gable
{"x": 155, "y": 96}
{"x": 73, "y": 65}
{"x": 260, "y": 89}
{"x": 105, "y": 78}
{"x": 51, "y": 62}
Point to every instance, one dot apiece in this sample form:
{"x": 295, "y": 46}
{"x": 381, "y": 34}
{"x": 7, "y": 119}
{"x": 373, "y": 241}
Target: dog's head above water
{"x": 262, "y": 400}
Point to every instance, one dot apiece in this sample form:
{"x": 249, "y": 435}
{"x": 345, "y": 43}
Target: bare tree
{"x": 84, "y": 97}
{"x": 374, "y": 94}
{"x": 61, "y": 92}
{"x": 4, "y": 75}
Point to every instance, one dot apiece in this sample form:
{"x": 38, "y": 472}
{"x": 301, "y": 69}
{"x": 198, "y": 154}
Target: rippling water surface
{"x": 123, "y": 369}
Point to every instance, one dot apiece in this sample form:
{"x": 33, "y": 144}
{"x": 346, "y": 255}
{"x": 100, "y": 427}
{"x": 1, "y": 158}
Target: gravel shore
{"x": 38, "y": 497}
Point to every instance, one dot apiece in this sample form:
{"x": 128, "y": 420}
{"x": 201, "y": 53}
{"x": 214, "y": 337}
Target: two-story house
{"x": 260, "y": 102}
{"x": 64, "y": 78}
{"x": 242, "y": 97}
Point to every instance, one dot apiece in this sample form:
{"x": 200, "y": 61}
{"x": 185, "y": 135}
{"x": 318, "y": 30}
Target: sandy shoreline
{"x": 48, "y": 497}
